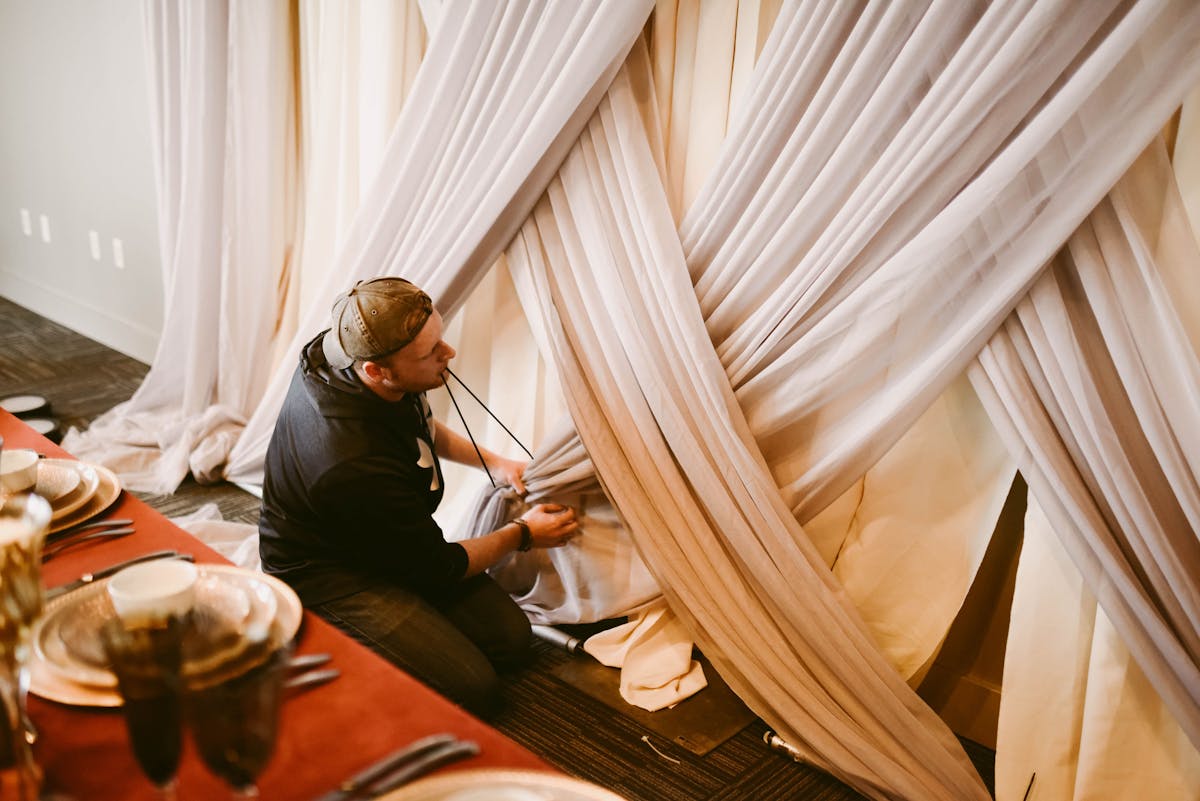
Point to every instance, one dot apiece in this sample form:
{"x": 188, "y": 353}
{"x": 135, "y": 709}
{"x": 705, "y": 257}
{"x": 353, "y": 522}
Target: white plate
{"x": 49, "y": 680}
{"x": 496, "y": 784}
{"x": 107, "y": 491}
{"x": 55, "y": 482}
{"x": 23, "y": 404}
{"x": 89, "y": 482}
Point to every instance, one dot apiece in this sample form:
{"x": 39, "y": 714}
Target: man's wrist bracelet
{"x": 526, "y": 535}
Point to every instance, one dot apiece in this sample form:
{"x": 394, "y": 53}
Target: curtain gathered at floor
{"x": 760, "y": 309}
{"x": 224, "y": 138}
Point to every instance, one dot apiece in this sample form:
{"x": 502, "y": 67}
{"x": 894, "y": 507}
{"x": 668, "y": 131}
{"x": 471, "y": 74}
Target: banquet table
{"x": 326, "y": 733}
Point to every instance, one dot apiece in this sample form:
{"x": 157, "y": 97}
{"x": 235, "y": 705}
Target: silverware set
{"x": 403, "y": 766}
{"x": 88, "y": 578}
{"x": 108, "y": 529}
{"x": 308, "y": 670}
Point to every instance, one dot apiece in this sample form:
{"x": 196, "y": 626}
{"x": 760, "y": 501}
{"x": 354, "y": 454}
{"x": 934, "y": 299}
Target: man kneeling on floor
{"x": 352, "y": 479}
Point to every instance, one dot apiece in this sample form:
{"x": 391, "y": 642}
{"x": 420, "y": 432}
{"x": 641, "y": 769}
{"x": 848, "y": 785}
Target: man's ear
{"x": 373, "y": 371}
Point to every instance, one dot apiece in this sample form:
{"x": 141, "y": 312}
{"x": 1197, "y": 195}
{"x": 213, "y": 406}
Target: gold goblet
{"x": 24, "y": 519}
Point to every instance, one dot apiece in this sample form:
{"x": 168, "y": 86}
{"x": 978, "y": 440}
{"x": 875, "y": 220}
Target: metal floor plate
{"x": 699, "y": 723}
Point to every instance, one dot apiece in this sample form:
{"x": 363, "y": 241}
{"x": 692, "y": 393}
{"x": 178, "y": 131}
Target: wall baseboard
{"x": 126, "y": 336}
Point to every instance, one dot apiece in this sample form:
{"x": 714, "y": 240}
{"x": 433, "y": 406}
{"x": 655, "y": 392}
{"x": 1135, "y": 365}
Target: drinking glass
{"x": 24, "y": 519}
{"x": 234, "y": 720}
{"x": 147, "y": 661}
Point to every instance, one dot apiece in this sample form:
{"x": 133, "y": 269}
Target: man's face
{"x": 419, "y": 365}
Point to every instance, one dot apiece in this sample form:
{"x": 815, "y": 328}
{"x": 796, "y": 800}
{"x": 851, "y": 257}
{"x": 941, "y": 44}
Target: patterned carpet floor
{"x": 567, "y": 727}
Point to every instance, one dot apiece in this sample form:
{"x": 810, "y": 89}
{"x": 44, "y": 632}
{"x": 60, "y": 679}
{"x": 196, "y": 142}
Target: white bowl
{"x": 18, "y": 469}
{"x": 151, "y": 592}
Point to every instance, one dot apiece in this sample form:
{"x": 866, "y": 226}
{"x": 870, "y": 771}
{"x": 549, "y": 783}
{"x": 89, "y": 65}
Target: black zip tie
{"x": 486, "y": 409}
{"x": 482, "y": 463}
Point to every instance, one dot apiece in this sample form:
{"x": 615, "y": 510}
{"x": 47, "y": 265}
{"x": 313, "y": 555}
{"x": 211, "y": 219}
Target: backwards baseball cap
{"x": 375, "y": 318}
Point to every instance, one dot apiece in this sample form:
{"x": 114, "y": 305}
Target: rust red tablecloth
{"x": 327, "y": 733}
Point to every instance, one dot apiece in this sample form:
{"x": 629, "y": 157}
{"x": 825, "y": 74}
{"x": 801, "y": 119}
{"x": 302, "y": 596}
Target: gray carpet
{"x": 568, "y": 727}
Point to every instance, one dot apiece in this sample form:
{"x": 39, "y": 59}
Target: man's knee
{"x": 478, "y": 689}
{"x": 512, "y": 646}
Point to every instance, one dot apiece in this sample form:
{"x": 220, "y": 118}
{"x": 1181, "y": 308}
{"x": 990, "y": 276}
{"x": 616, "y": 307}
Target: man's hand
{"x": 509, "y": 471}
{"x": 551, "y": 524}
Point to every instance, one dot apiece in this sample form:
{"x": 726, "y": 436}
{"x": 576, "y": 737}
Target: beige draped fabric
{"x": 687, "y": 479}
{"x": 1095, "y": 382}
{"x": 1077, "y": 710}
{"x": 1063, "y": 184}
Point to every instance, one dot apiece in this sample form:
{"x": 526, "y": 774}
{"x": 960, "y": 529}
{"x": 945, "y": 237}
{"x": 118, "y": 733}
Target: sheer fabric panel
{"x": 498, "y": 100}
{"x": 357, "y": 62}
{"x": 222, "y": 102}
{"x": 1077, "y": 710}
{"x": 1094, "y": 383}
{"x": 957, "y": 149}
{"x": 655, "y": 410}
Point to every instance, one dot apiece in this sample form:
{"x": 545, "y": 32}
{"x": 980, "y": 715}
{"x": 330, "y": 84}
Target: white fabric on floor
{"x": 237, "y": 542}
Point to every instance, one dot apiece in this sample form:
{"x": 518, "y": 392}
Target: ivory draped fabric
{"x": 690, "y": 485}
{"x": 894, "y": 180}
{"x": 499, "y": 98}
{"x": 358, "y": 60}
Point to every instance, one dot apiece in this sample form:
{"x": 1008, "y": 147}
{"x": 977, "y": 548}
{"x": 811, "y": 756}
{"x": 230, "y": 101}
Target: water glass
{"x": 234, "y": 720}
{"x": 147, "y": 661}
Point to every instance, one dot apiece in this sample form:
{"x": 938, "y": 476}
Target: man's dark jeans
{"x": 455, "y": 646}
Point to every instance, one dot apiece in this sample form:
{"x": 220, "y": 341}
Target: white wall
{"x": 75, "y": 146}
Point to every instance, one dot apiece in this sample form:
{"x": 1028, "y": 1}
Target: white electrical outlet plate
{"x": 45, "y": 221}
{"x": 94, "y": 244}
{"x": 118, "y": 253}
{"x": 26, "y": 223}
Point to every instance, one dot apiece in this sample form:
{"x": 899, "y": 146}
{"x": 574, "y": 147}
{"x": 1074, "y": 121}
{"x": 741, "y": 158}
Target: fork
{"x": 58, "y": 548}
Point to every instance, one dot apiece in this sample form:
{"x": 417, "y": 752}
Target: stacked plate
{"x": 237, "y": 612}
{"x": 76, "y": 491}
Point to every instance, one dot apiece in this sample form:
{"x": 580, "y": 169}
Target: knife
{"x": 355, "y": 786}
{"x": 88, "y": 578}
{"x": 311, "y": 678}
{"x": 459, "y": 749}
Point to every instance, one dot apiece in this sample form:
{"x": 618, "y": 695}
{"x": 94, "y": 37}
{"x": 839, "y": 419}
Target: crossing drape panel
{"x": 498, "y": 100}
{"x": 1094, "y": 381}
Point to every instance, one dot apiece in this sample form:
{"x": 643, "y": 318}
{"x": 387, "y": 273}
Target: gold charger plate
{"x": 107, "y": 491}
{"x": 225, "y": 607}
{"x": 500, "y": 784}
{"x": 55, "y": 482}
{"x": 49, "y": 681}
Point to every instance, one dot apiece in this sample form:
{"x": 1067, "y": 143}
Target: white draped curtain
{"x": 761, "y": 306}
{"x": 223, "y": 112}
